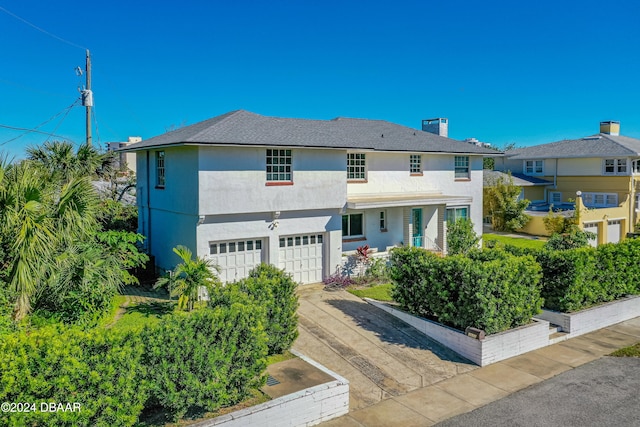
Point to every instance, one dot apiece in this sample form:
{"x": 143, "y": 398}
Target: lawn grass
{"x": 275, "y": 358}
{"x": 377, "y": 292}
{"x": 631, "y": 351}
{"x": 521, "y": 242}
{"x": 139, "y": 315}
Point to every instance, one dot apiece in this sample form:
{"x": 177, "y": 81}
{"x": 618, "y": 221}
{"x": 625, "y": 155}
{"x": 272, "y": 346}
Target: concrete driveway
{"x": 381, "y": 356}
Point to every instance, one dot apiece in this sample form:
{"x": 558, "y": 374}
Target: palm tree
{"x": 187, "y": 277}
{"x": 40, "y": 219}
{"x": 60, "y": 160}
{"x": 26, "y": 228}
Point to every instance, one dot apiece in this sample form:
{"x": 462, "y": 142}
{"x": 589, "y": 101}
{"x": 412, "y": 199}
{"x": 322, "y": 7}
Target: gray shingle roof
{"x": 521, "y": 180}
{"x": 245, "y": 128}
{"x": 599, "y": 145}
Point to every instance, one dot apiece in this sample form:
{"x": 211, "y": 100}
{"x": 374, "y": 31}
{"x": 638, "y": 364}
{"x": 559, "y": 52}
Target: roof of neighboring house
{"x": 598, "y": 145}
{"x": 242, "y": 127}
{"x": 521, "y": 180}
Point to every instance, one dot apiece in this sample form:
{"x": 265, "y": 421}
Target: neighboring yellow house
{"x": 599, "y": 173}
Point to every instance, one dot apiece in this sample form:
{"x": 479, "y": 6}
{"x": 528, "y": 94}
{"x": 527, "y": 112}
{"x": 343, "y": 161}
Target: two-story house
{"x": 599, "y": 172}
{"x": 242, "y": 188}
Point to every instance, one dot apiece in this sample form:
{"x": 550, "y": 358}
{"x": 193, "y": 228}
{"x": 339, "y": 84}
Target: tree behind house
{"x": 501, "y": 203}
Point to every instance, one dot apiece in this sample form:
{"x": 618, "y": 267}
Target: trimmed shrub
{"x": 461, "y": 237}
{"x": 274, "y": 290}
{"x": 576, "y": 279}
{"x": 206, "y": 359}
{"x": 493, "y": 291}
{"x": 100, "y": 369}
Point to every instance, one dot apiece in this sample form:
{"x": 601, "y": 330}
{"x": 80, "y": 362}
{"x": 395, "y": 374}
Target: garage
{"x": 301, "y": 255}
{"x": 613, "y": 231}
{"x": 593, "y": 228}
{"x": 236, "y": 258}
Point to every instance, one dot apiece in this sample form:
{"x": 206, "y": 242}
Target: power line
{"x": 41, "y": 30}
{"x": 61, "y": 120}
{"x": 35, "y": 129}
{"x": 29, "y": 131}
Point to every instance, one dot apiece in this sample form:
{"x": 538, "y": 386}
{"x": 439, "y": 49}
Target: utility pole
{"x": 87, "y": 97}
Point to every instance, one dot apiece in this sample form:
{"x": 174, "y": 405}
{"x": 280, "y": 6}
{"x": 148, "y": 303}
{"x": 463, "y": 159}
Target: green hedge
{"x": 576, "y": 279}
{"x": 205, "y": 359}
{"x": 490, "y": 290}
{"x": 99, "y": 369}
{"x": 275, "y": 291}
{"x": 202, "y": 361}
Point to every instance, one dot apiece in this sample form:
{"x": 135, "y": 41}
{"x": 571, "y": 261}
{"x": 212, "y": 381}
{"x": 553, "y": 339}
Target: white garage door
{"x": 302, "y": 257}
{"x": 592, "y": 227}
{"x": 236, "y": 258}
{"x": 613, "y": 231}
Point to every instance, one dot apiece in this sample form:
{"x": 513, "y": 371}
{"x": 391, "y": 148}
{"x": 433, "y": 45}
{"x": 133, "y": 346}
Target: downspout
{"x": 632, "y": 203}
{"x": 148, "y": 204}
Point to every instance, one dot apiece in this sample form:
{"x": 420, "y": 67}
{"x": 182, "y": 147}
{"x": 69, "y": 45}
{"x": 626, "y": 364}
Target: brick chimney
{"x": 438, "y": 126}
{"x": 610, "y": 128}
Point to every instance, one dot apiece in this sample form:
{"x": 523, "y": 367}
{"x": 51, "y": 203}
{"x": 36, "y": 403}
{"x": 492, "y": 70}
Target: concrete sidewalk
{"x": 467, "y": 391}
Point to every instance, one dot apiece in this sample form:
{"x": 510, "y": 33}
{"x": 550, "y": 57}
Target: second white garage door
{"x": 235, "y": 258}
{"x": 301, "y": 255}
{"x": 613, "y": 231}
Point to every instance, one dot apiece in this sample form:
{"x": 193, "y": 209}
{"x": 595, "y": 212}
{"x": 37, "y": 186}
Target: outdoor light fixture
{"x": 476, "y": 333}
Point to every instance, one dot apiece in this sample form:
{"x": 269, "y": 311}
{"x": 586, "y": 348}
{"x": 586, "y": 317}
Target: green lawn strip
{"x": 377, "y": 292}
{"x": 275, "y": 358}
{"x": 521, "y": 242}
{"x": 631, "y": 351}
{"x": 110, "y": 317}
{"x": 136, "y": 316}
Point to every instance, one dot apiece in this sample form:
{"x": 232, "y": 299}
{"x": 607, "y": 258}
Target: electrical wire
{"x": 28, "y": 131}
{"x": 41, "y": 30}
{"x": 35, "y": 129}
{"x": 61, "y": 120}
{"x": 95, "y": 120}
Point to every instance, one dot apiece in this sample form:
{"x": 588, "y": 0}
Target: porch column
{"x": 442, "y": 228}
{"x": 407, "y": 227}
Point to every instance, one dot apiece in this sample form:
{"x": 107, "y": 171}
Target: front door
{"x": 416, "y": 215}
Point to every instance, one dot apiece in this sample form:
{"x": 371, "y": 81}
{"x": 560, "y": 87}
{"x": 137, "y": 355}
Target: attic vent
{"x": 590, "y": 138}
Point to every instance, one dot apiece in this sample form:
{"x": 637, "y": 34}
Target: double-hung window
{"x": 356, "y": 167}
{"x": 615, "y": 166}
{"x": 415, "y": 164}
{"x": 160, "y": 177}
{"x": 461, "y": 165}
{"x": 534, "y": 167}
{"x": 279, "y": 165}
{"x": 352, "y": 225}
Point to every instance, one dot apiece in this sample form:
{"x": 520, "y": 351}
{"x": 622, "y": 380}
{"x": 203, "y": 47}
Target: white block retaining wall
{"x": 594, "y": 318}
{"x": 307, "y": 407}
{"x": 493, "y": 348}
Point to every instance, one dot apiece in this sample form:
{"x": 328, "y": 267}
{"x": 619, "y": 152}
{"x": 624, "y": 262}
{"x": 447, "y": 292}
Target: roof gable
{"x": 243, "y": 128}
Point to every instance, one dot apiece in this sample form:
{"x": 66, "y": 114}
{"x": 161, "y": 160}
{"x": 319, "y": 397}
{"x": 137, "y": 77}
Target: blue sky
{"x": 501, "y": 71}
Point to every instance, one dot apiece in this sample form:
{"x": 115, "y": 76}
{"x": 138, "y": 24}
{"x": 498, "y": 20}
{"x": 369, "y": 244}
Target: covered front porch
{"x": 384, "y": 222}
